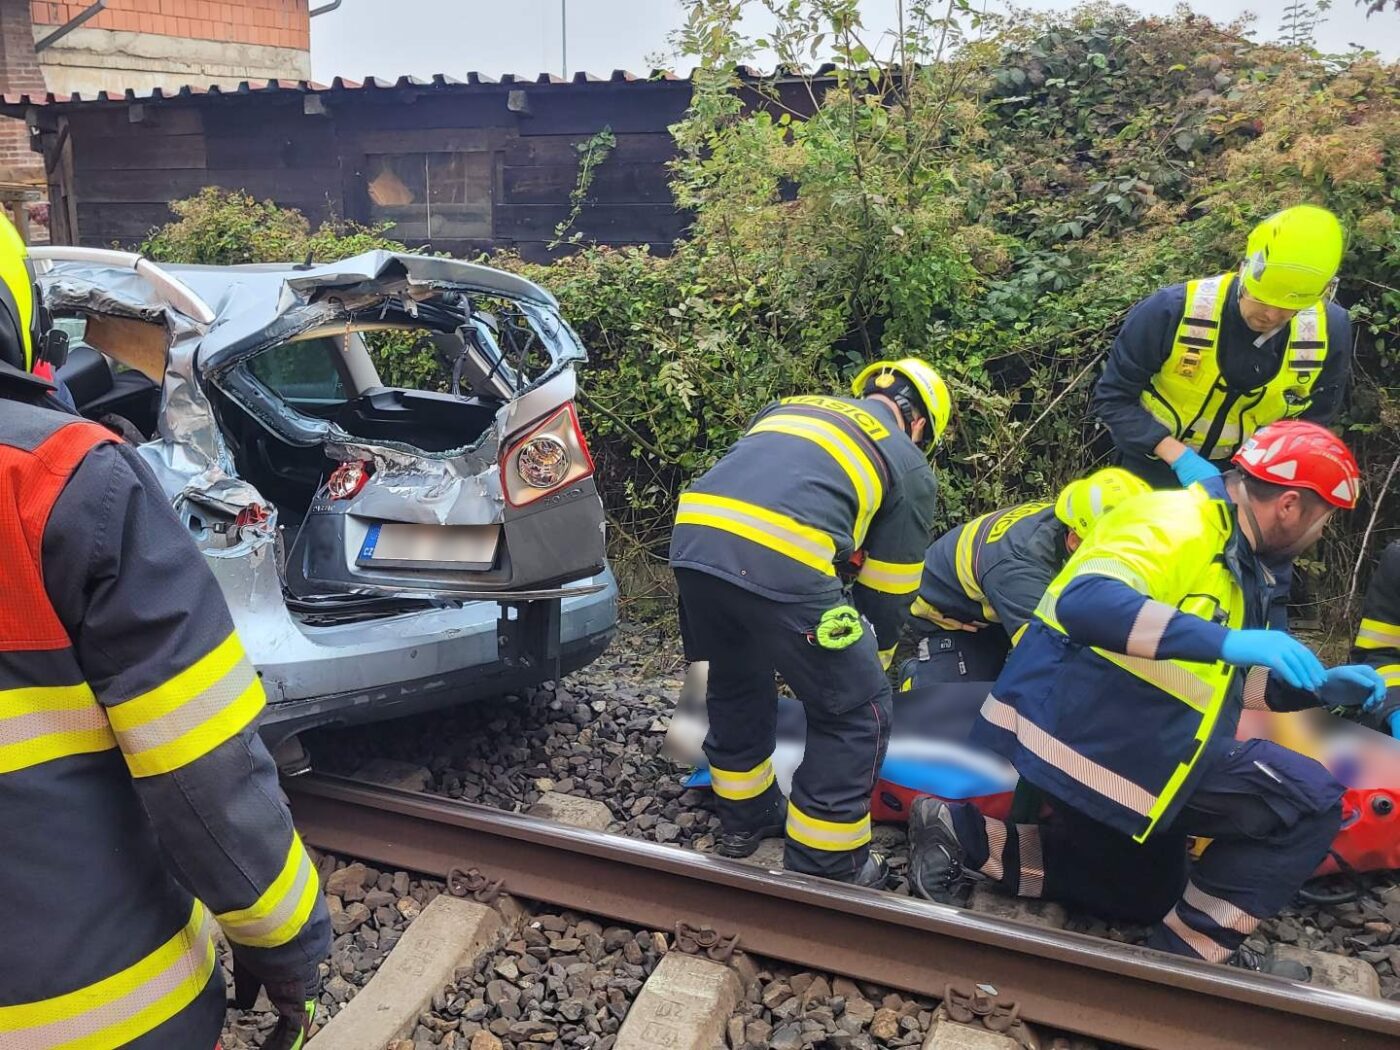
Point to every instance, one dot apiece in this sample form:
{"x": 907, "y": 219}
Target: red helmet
{"x": 1303, "y": 455}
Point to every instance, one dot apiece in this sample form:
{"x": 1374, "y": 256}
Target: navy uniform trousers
{"x": 847, "y": 701}
{"x": 1271, "y": 814}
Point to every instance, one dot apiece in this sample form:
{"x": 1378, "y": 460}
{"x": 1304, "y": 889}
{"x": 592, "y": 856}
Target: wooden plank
{"x": 101, "y": 154}
{"x": 159, "y": 117}
{"x": 613, "y": 183}
{"x": 102, "y": 225}
{"x": 424, "y": 140}
{"x": 155, "y": 186}
{"x": 281, "y": 146}
{"x": 608, "y": 223}
{"x": 640, "y": 148}
{"x": 404, "y": 111}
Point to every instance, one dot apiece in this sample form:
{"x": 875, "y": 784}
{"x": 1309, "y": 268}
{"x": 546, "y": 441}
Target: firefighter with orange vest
{"x": 141, "y": 811}
{"x": 982, "y": 580}
{"x": 1199, "y": 367}
{"x": 799, "y": 552}
{"x": 1120, "y": 704}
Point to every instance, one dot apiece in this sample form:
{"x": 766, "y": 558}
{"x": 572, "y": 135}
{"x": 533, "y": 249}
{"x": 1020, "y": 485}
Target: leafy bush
{"x": 994, "y": 205}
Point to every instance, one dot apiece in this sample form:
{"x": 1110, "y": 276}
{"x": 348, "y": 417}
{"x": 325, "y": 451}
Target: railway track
{"x": 1100, "y": 989}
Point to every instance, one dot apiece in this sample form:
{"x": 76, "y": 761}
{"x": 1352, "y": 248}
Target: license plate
{"x": 456, "y": 547}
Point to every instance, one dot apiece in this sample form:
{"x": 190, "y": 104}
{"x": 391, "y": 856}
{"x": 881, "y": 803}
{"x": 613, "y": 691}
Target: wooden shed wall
{"x": 117, "y": 166}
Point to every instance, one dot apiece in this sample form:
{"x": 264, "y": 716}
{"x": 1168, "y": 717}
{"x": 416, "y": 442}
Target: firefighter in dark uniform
{"x": 982, "y": 580}
{"x": 1120, "y": 704}
{"x": 1378, "y": 638}
{"x": 139, "y": 810}
{"x": 800, "y": 551}
{"x": 1198, "y": 367}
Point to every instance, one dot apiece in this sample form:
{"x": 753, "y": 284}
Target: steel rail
{"x": 1081, "y": 984}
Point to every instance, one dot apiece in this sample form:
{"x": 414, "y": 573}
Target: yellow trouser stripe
{"x": 738, "y": 786}
{"x": 890, "y": 577}
{"x": 837, "y": 444}
{"x": 280, "y": 913}
{"x": 41, "y": 723}
{"x": 831, "y": 835}
{"x": 1377, "y": 634}
{"x": 118, "y": 1009}
{"x": 777, "y": 532}
{"x": 191, "y": 714}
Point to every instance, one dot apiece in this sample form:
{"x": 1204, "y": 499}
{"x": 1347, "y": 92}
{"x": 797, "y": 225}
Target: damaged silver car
{"x": 382, "y": 549}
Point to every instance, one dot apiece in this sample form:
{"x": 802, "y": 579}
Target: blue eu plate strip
{"x": 371, "y": 541}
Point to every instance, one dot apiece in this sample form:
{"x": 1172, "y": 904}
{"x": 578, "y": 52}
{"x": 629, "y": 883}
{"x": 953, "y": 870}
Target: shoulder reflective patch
{"x": 861, "y": 418}
{"x": 1003, "y": 524}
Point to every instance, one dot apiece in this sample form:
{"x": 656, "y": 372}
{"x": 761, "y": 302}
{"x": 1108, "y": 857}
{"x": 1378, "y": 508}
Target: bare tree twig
{"x": 1370, "y": 526}
{"x": 1048, "y": 409}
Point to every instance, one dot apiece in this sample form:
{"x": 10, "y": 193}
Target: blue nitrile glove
{"x": 1394, "y": 722}
{"x": 1191, "y": 467}
{"x": 1353, "y": 685}
{"x": 1286, "y": 657}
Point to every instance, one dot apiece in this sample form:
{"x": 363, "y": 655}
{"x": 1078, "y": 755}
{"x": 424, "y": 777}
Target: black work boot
{"x": 874, "y": 875}
{"x": 742, "y": 842}
{"x": 935, "y": 854}
{"x": 1247, "y": 958}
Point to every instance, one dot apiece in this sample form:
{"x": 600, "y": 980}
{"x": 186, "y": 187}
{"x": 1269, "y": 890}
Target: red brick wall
{"x": 19, "y": 74}
{"x": 273, "y": 23}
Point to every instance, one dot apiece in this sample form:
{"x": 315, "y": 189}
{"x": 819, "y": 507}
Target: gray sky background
{"x": 390, "y": 38}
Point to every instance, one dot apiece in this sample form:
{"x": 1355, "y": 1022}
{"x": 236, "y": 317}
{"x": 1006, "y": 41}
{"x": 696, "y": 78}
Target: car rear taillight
{"x": 549, "y": 456}
{"x": 347, "y": 480}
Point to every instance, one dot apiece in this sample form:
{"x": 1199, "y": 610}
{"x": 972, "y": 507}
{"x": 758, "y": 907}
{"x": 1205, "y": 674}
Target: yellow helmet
{"x": 19, "y": 318}
{"x": 935, "y": 401}
{"x": 1085, "y": 500}
{"x": 1292, "y": 257}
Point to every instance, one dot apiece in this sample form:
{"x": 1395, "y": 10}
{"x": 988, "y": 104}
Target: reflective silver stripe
{"x": 1061, "y": 756}
{"x": 1198, "y": 942}
{"x": 1167, "y": 675}
{"x": 192, "y": 713}
{"x": 996, "y": 848}
{"x": 1256, "y": 685}
{"x": 1151, "y": 623}
{"x": 257, "y": 929}
{"x": 1377, "y": 634}
{"x": 1221, "y": 912}
{"x": 1391, "y": 674}
{"x": 1203, "y": 305}
{"x": 1032, "y": 863}
{"x": 19, "y": 729}
{"x": 186, "y": 960}
{"x": 1307, "y": 328}
{"x": 788, "y": 536}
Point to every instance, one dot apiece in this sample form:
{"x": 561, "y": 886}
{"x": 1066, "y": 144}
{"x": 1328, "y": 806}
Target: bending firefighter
{"x": 799, "y": 552}
{"x": 141, "y": 812}
{"x": 1120, "y": 704}
{"x": 1198, "y": 368}
{"x": 982, "y": 580}
{"x": 1378, "y": 638}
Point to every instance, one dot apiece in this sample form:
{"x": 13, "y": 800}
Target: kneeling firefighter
{"x": 139, "y": 810}
{"x": 983, "y": 579}
{"x": 1120, "y": 704}
{"x": 1378, "y": 638}
{"x": 799, "y": 552}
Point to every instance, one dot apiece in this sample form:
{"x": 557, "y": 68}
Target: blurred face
{"x": 1260, "y": 317}
{"x": 1292, "y": 523}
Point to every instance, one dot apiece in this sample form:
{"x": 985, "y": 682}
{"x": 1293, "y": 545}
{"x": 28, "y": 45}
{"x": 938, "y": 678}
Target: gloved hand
{"x": 1394, "y": 723}
{"x": 1286, "y": 657}
{"x": 1353, "y": 685}
{"x": 294, "y": 999}
{"x": 1191, "y": 467}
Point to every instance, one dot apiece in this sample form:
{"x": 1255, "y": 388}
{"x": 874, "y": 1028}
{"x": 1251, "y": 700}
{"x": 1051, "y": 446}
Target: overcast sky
{"x": 390, "y": 38}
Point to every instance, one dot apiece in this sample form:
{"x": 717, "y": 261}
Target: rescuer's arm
{"x": 1331, "y": 385}
{"x": 153, "y": 636}
{"x": 1014, "y": 588}
{"x": 1378, "y": 638}
{"x": 1141, "y": 347}
{"x": 894, "y": 556}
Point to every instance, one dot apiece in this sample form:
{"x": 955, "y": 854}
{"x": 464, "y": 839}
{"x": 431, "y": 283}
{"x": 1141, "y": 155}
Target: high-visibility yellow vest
{"x": 1147, "y": 548}
{"x": 1188, "y": 394}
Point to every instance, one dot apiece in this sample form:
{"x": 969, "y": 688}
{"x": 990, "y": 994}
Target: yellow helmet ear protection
{"x": 27, "y": 334}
